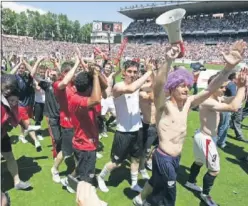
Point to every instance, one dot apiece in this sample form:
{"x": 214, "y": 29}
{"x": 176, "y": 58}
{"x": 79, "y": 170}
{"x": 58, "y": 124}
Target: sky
{"x": 85, "y": 12}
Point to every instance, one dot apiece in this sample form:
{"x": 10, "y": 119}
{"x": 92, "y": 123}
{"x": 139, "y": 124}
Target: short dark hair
{"x": 129, "y": 63}
{"x": 9, "y": 85}
{"x": 212, "y": 77}
{"x": 67, "y": 66}
{"x": 83, "y": 81}
{"x": 232, "y": 76}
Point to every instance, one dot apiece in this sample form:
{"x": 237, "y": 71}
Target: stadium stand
{"x": 204, "y": 33}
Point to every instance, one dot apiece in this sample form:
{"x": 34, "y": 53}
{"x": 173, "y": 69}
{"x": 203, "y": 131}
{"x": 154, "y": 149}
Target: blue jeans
{"x": 223, "y": 127}
{"x": 245, "y": 111}
{"x": 236, "y": 119}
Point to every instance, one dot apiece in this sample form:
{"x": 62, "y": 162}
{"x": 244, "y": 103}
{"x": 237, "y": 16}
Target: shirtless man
{"x": 205, "y": 139}
{"x": 171, "y": 121}
{"x": 108, "y": 102}
{"x": 148, "y": 111}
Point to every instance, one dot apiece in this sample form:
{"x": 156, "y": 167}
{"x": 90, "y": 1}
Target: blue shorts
{"x": 163, "y": 180}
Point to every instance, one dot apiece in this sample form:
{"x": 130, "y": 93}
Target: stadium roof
{"x": 201, "y": 7}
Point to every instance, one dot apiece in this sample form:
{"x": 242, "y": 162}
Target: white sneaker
{"x": 136, "y": 188}
{"x": 208, "y": 200}
{"x": 55, "y": 174}
{"x": 144, "y": 174}
{"x": 103, "y": 203}
{"x": 69, "y": 189}
{"x": 99, "y": 155}
{"x": 193, "y": 186}
{"x": 100, "y": 136}
{"x": 31, "y": 128}
{"x": 64, "y": 182}
{"x": 22, "y": 139}
{"x": 40, "y": 137}
{"x": 137, "y": 201}
{"x": 101, "y": 184}
{"x": 104, "y": 134}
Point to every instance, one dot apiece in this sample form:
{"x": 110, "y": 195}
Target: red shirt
{"x": 63, "y": 96}
{"x": 98, "y": 109}
{"x": 8, "y": 118}
{"x": 85, "y": 124}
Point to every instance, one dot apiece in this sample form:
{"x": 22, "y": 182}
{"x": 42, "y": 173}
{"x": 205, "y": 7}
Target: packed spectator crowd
{"x": 196, "y": 48}
{"x": 231, "y": 21}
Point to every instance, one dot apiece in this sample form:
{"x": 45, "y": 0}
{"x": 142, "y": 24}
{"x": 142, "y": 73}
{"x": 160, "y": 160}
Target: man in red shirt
{"x": 63, "y": 91}
{"x": 83, "y": 113}
{"x": 10, "y": 119}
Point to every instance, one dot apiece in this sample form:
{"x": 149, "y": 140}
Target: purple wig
{"x": 177, "y": 77}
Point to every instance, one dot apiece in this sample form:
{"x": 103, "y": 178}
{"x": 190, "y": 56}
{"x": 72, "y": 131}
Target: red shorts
{"x": 25, "y": 113}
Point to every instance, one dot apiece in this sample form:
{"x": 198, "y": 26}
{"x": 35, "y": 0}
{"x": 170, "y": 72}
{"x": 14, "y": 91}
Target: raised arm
{"x": 130, "y": 88}
{"x": 95, "y": 97}
{"x": 232, "y": 59}
{"x": 56, "y": 63}
{"x": 34, "y": 70}
{"x": 161, "y": 77}
{"x": 233, "y": 103}
{"x": 28, "y": 66}
{"x": 116, "y": 72}
{"x": 68, "y": 77}
{"x": 14, "y": 70}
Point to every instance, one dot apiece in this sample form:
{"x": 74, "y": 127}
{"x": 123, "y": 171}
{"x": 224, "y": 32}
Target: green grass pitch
{"x": 230, "y": 189}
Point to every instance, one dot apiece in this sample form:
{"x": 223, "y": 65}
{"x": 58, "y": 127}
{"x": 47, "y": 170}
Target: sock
{"x": 104, "y": 172}
{"x": 134, "y": 178}
{"x": 208, "y": 182}
{"x": 194, "y": 171}
{"x": 36, "y": 141}
{"x": 111, "y": 119}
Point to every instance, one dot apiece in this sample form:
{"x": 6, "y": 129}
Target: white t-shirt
{"x": 39, "y": 96}
{"x": 127, "y": 112}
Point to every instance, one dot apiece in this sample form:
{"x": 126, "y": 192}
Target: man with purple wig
{"x": 173, "y": 104}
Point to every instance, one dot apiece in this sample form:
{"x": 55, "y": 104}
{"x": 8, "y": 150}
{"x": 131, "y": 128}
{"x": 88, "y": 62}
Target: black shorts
{"x": 85, "y": 165}
{"x": 66, "y": 136}
{"x": 55, "y": 132}
{"x": 150, "y": 137}
{"x": 38, "y": 112}
{"x": 126, "y": 143}
{"x": 6, "y": 144}
{"x": 163, "y": 180}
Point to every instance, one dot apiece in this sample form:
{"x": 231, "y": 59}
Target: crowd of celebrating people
{"x": 80, "y": 98}
{"x": 196, "y": 48}
{"x": 229, "y": 21}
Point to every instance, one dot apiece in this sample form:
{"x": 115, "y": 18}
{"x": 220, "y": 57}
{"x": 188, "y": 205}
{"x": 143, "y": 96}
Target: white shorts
{"x": 205, "y": 151}
{"x": 108, "y": 106}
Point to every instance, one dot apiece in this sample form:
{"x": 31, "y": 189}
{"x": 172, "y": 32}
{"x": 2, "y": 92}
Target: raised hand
{"x": 149, "y": 66}
{"x": 242, "y": 78}
{"x": 77, "y": 60}
{"x": 94, "y": 69}
{"x": 172, "y": 52}
{"x": 78, "y": 52}
{"x": 235, "y": 54}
